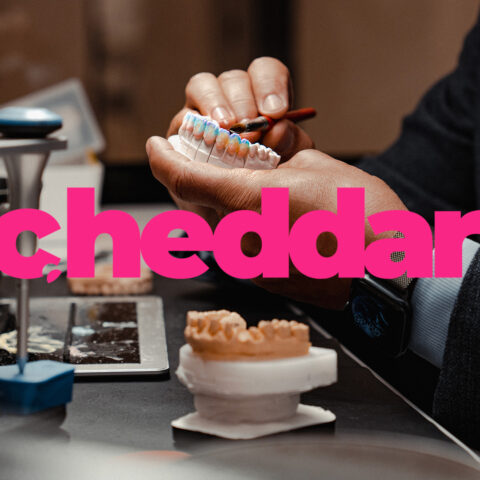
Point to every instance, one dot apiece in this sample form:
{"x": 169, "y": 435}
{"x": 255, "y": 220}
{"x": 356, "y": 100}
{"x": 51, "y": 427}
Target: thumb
{"x": 286, "y": 138}
{"x": 203, "y": 183}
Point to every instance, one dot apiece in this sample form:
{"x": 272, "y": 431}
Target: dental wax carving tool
{"x": 202, "y": 139}
{"x": 247, "y": 382}
{"x": 264, "y": 123}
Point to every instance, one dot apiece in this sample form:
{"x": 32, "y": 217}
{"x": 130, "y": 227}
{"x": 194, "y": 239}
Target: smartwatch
{"x": 380, "y": 310}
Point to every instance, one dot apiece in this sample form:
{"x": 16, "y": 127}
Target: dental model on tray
{"x": 203, "y": 140}
{"x": 247, "y": 382}
{"x": 104, "y": 283}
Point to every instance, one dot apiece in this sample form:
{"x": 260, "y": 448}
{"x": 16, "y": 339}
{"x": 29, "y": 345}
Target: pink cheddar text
{"x": 281, "y": 243}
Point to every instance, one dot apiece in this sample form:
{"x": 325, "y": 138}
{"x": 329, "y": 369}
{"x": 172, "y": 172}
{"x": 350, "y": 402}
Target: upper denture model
{"x": 201, "y": 139}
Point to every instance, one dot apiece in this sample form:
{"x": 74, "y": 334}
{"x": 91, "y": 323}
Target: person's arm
{"x": 431, "y": 165}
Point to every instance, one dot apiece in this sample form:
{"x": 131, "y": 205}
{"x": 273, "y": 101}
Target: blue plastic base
{"x": 44, "y": 384}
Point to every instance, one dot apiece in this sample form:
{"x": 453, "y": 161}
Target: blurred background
{"x": 362, "y": 64}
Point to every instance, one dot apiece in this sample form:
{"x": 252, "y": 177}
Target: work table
{"x": 135, "y": 413}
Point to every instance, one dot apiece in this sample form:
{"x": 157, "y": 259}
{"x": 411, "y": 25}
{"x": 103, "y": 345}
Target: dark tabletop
{"x": 136, "y": 412}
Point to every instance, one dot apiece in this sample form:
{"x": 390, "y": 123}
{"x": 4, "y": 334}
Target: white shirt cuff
{"x": 432, "y": 302}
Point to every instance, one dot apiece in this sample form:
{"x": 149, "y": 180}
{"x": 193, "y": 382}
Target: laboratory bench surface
{"x": 135, "y": 413}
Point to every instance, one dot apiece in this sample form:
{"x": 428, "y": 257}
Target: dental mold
{"x": 247, "y": 382}
{"x": 104, "y": 283}
{"x": 223, "y": 335}
{"x": 201, "y": 139}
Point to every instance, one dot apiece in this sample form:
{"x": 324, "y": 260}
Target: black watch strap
{"x": 381, "y": 309}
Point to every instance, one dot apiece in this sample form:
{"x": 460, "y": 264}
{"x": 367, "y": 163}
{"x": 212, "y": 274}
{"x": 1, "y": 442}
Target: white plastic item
{"x": 256, "y": 378}
{"x": 252, "y": 393}
{"x": 306, "y": 415}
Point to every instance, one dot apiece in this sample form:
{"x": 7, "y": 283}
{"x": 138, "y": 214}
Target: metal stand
{"x": 25, "y": 160}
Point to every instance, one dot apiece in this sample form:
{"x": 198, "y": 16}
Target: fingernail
{"x": 272, "y": 103}
{"x": 221, "y": 115}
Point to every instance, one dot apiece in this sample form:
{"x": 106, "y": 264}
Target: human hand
{"x": 312, "y": 178}
{"x": 264, "y": 89}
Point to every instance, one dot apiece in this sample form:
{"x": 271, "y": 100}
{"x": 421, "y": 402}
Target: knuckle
{"x": 256, "y": 64}
{"x": 198, "y": 79}
{"x": 232, "y": 75}
{"x": 261, "y": 62}
{"x": 309, "y": 152}
{"x": 243, "y": 104}
{"x": 302, "y": 156}
{"x": 282, "y": 68}
{"x": 211, "y": 97}
{"x": 307, "y": 157}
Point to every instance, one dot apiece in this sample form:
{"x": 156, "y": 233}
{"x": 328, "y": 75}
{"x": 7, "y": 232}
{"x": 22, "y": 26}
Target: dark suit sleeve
{"x": 431, "y": 165}
{"x": 457, "y": 397}
{"x": 434, "y": 166}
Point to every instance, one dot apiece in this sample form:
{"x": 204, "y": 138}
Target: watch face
{"x": 369, "y": 315}
{"x": 382, "y": 319}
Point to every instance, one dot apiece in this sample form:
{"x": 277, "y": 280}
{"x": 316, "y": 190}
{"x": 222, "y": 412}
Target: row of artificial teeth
{"x": 268, "y": 330}
{"x": 203, "y": 137}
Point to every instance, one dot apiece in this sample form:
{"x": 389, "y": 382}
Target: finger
{"x": 270, "y": 81}
{"x": 203, "y": 183}
{"x": 203, "y": 92}
{"x": 177, "y": 121}
{"x": 238, "y": 91}
{"x": 287, "y": 139}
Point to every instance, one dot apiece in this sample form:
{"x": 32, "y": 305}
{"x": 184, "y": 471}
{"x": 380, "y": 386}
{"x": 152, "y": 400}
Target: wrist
{"x": 381, "y": 309}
